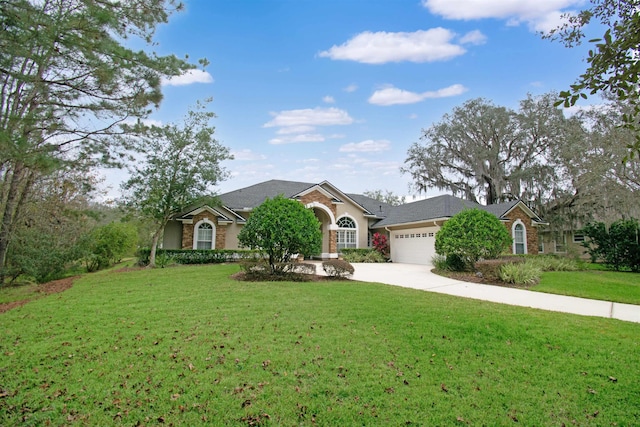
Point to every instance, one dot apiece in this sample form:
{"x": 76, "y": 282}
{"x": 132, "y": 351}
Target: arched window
{"x": 204, "y": 236}
{"x": 347, "y": 233}
{"x": 519, "y": 238}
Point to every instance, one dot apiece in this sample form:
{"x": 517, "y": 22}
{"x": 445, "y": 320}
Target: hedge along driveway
{"x": 420, "y": 277}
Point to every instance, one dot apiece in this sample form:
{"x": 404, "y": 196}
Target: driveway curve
{"x": 420, "y": 277}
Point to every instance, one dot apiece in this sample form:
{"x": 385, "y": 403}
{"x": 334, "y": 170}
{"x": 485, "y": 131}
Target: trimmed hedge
{"x": 337, "y": 268}
{"x": 362, "y": 255}
{"x": 199, "y": 256}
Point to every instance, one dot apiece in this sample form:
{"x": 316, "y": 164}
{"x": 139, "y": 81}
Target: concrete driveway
{"x": 420, "y": 277}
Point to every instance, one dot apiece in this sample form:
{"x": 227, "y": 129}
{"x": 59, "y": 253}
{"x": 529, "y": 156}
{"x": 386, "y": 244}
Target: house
{"x": 347, "y": 220}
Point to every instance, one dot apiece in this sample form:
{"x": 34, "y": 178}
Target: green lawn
{"x": 188, "y": 345}
{"x": 595, "y": 284}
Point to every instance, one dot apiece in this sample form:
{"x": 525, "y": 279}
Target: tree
{"x": 108, "y": 244}
{"x": 618, "y": 246}
{"x": 386, "y": 196}
{"x": 472, "y": 234}
{"x": 66, "y": 80}
{"x": 483, "y": 151}
{"x": 613, "y": 62}
{"x": 280, "y": 228}
{"x": 182, "y": 162}
{"x": 51, "y": 228}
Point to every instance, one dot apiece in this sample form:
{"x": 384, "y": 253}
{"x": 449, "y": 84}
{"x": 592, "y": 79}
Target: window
{"x": 346, "y": 237}
{"x": 540, "y": 244}
{"x": 519, "y": 238}
{"x": 561, "y": 242}
{"x": 430, "y": 234}
{"x": 578, "y": 238}
{"x": 204, "y": 236}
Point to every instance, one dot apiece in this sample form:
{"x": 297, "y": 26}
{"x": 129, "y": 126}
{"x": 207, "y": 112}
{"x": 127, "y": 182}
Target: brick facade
{"x": 532, "y": 232}
{"x": 188, "y": 230}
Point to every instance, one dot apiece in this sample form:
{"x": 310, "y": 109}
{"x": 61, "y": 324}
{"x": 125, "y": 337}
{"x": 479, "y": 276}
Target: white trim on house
{"x": 516, "y": 223}
{"x": 324, "y": 209}
{"x": 213, "y": 233}
{"x": 355, "y": 231}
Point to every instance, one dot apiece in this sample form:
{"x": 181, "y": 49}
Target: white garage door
{"x": 414, "y": 246}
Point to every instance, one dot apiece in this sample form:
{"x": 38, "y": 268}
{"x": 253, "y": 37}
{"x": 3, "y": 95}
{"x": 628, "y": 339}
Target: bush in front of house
{"x": 490, "y": 268}
{"x": 520, "y": 273}
{"x": 618, "y": 247}
{"x": 337, "y": 268}
{"x": 471, "y": 235}
{"x": 281, "y": 228}
{"x": 362, "y": 255}
{"x": 196, "y": 256}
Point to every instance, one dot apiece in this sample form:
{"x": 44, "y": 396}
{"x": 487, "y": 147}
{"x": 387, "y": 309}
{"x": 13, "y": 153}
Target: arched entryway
{"x": 328, "y": 227}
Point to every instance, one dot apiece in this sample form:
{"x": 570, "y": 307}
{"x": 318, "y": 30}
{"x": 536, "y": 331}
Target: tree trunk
{"x": 15, "y": 196}
{"x": 154, "y": 247}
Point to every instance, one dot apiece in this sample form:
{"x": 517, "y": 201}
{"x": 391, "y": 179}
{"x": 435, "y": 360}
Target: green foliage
{"x": 69, "y": 76}
{"x": 490, "y": 268}
{"x": 521, "y": 273}
{"x": 362, "y": 255}
{"x": 108, "y": 244}
{"x": 182, "y": 162}
{"x": 553, "y": 263}
{"x": 386, "y": 196}
{"x": 470, "y": 235}
{"x": 618, "y": 247}
{"x": 337, "y": 268}
{"x": 197, "y": 256}
{"x": 281, "y": 228}
{"x": 613, "y": 65}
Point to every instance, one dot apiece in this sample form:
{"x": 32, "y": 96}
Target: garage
{"x": 414, "y": 245}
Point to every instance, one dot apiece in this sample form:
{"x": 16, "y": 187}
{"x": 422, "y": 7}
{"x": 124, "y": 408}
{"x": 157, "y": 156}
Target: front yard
{"x": 189, "y": 345}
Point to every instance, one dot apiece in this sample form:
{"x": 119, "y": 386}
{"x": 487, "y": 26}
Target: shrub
{"x": 471, "y": 235}
{"x": 282, "y": 227}
{"x": 490, "y": 269}
{"x": 618, "y": 247}
{"x": 553, "y": 263}
{"x": 520, "y": 273}
{"x": 381, "y": 244}
{"x": 362, "y": 255}
{"x": 108, "y": 244}
{"x": 198, "y": 256}
{"x": 337, "y": 268}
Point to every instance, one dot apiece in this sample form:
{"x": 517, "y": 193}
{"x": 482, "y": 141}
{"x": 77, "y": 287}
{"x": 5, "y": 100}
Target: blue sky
{"x": 337, "y": 90}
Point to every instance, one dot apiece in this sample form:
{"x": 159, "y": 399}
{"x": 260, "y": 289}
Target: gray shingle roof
{"x": 436, "y": 207}
{"x": 375, "y": 207}
{"x": 252, "y": 196}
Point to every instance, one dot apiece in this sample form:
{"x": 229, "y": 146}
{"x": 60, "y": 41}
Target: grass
{"x": 189, "y": 345}
{"x": 613, "y": 286}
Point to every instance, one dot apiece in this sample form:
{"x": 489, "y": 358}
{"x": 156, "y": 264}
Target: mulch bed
{"x": 48, "y": 288}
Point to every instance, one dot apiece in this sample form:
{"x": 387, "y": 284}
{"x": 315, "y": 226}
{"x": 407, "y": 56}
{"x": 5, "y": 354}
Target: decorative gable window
{"x": 347, "y": 233}
{"x": 203, "y": 236}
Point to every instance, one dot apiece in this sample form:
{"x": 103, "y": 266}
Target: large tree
{"x": 386, "y": 196}
{"x": 613, "y": 65}
{"x": 490, "y": 153}
{"x": 67, "y": 78}
{"x": 181, "y": 164}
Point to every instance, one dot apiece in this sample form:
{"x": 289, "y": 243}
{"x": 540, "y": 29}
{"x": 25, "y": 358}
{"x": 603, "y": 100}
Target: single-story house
{"x": 347, "y": 220}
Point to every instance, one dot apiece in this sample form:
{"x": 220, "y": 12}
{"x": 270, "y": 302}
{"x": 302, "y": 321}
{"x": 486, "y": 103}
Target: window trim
{"x": 343, "y": 231}
{"x": 196, "y": 228}
{"x": 514, "y": 226}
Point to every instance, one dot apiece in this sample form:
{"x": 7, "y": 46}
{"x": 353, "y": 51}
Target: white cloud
{"x": 351, "y": 88}
{"x": 394, "y": 96}
{"x": 189, "y": 77}
{"x": 310, "y": 117}
{"x": 539, "y": 15}
{"x": 367, "y": 146}
{"x": 247, "y": 155}
{"x": 473, "y": 37}
{"x": 382, "y": 47}
{"x": 328, "y": 99}
{"x": 295, "y": 129}
{"x": 413, "y": 116}
{"x": 305, "y": 137}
